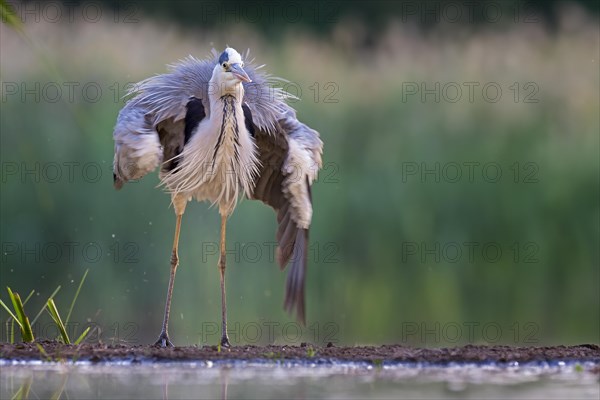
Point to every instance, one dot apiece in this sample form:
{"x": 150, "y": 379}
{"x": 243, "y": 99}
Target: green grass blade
{"x": 26, "y": 331}
{"x": 43, "y": 308}
{"x": 76, "y": 295}
{"x": 11, "y": 335}
{"x": 12, "y": 331}
{"x": 28, "y": 297}
{"x": 12, "y": 319}
{"x": 9, "y": 17}
{"x": 18, "y": 311}
{"x": 53, "y": 311}
{"x": 83, "y": 335}
{"x": 13, "y": 316}
{"x": 43, "y": 352}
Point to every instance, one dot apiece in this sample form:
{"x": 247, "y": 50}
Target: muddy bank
{"x": 54, "y": 351}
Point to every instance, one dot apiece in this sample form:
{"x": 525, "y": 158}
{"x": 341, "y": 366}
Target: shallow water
{"x": 233, "y": 380}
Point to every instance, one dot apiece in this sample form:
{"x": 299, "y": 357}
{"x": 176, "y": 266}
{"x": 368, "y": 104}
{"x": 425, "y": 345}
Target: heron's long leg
{"x": 224, "y": 338}
{"x": 163, "y": 339}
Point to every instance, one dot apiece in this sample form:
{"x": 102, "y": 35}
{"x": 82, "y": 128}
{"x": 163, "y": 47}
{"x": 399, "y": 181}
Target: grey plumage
{"x": 278, "y": 157}
{"x": 166, "y": 95}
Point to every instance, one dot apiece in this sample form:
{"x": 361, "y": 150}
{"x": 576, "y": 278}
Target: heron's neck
{"x": 224, "y": 107}
{"x": 222, "y": 92}
{"x": 227, "y": 114}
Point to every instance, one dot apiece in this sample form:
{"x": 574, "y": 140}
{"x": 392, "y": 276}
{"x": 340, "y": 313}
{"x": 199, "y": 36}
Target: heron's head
{"x": 229, "y": 73}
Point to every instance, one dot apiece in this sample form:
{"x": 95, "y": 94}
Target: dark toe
{"x": 225, "y": 342}
{"x": 163, "y": 341}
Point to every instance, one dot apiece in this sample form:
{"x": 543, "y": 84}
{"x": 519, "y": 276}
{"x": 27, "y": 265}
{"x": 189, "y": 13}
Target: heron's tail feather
{"x": 294, "y": 290}
{"x": 118, "y": 183}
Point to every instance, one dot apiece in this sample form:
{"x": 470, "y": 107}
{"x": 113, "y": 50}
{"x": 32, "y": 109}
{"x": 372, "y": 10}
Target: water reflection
{"x": 224, "y": 383}
{"x": 260, "y": 380}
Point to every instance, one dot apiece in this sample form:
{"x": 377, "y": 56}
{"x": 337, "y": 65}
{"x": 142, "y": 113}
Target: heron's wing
{"x": 142, "y": 143}
{"x": 137, "y": 146}
{"x": 290, "y": 158}
{"x": 160, "y": 118}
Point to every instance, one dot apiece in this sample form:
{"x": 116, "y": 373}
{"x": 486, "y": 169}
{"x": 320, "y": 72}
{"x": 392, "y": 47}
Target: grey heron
{"x": 220, "y": 130}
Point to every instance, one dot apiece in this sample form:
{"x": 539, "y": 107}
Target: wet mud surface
{"x": 55, "y": 351}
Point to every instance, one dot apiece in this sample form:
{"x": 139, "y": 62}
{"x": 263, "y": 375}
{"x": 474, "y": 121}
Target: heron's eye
{"x": 225, "y": 65}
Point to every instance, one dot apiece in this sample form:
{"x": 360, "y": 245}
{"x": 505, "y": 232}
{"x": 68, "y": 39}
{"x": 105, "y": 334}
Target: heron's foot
{"x": 225, "y": 342}
{"x": 163, "y": 340}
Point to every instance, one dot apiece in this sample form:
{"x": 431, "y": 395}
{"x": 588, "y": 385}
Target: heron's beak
{"x": 239, "y": 72}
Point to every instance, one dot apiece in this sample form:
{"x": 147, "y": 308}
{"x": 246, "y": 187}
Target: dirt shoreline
{"x": 54, "y": 351}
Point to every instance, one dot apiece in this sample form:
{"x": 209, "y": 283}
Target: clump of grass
{"x": 53, "y": 311}
{"x": 20, "y": 318}
{"x": 22, "y": 321}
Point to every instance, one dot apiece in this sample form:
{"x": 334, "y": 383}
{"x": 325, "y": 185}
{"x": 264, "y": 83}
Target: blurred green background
{"x": 458, "y": 203}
